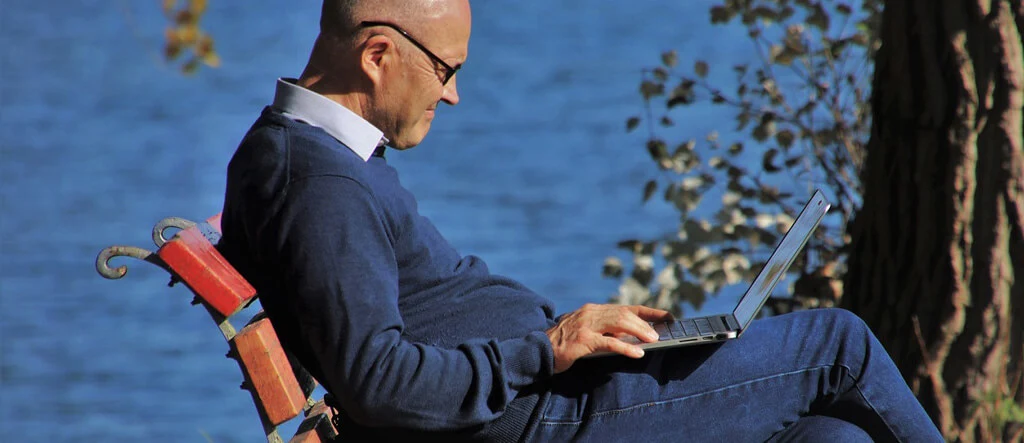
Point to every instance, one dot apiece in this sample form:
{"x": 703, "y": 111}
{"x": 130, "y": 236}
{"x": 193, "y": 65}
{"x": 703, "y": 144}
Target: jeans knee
{"x": 851, "y": 335}
{"x": 844, "y": 329}
{"x": 844, "y": 320}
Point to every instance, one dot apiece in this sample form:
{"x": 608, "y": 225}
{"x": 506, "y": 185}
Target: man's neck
{"x": 341, "y": 94}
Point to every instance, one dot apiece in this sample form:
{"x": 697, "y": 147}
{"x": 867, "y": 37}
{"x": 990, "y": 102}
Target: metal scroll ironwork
{"x": 104, "y": 257}
{"x": 168, "y": 223}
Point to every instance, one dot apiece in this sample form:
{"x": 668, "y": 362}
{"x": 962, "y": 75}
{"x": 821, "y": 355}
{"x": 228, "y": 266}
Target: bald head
{"x": 340, "y": 21}
{"x": 340, "y": 17}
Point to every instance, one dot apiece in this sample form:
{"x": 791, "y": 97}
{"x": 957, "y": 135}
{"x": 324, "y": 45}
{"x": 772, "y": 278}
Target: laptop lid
{"x": 759, "y": 291}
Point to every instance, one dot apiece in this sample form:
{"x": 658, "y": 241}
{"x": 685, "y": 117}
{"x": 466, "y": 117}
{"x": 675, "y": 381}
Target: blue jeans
{"x": 796, "y": 377}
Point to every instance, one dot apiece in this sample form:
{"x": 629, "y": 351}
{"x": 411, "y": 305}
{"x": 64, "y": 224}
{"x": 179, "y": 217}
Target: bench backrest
{"x": 281, "y": 389}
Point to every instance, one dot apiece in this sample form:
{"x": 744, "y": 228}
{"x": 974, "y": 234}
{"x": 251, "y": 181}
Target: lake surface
{"x": 99, "y": 140}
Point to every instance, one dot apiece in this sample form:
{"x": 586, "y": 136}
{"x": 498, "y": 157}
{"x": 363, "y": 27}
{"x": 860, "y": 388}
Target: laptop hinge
{"x": 730, "y": 321}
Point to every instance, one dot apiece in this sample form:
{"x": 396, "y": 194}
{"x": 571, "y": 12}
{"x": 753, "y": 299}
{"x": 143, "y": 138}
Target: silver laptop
{"x": 718, "y": 328}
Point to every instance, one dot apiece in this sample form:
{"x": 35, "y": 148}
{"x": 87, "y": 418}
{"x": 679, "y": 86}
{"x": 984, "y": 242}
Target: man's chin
{"x": 421, "y": 134}
{"x": 413, "y": 138}
{"x": 402, "y": 145}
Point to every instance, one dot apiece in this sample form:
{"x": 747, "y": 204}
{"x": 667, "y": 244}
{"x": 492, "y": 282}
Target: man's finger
{"x": 609, "y": 344}
{"x": 651, "y": 314}
{"x": 631, "y": 324}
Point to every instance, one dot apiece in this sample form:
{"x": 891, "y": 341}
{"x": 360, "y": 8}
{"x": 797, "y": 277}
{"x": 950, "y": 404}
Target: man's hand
{"x": 594, "y": 328}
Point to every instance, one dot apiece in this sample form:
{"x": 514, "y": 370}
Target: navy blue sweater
{"x": 406, "y": 333}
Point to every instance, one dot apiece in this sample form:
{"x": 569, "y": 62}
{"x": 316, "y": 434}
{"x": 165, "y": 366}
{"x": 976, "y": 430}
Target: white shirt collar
{"x": 301, "y": 104}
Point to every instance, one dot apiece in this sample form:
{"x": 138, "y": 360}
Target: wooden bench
{"x": 281, "y": 389}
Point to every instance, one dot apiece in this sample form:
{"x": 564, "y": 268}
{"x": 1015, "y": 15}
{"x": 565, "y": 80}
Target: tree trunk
{"x": 936, "y": 264}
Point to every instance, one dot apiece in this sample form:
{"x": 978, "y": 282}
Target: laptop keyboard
{"x": 688, "y": 328}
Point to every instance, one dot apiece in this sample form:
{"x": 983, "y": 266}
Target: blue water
{"x": 100, "y": 139}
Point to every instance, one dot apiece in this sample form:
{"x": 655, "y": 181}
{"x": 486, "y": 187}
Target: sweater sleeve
{"x": 336, "y": 250}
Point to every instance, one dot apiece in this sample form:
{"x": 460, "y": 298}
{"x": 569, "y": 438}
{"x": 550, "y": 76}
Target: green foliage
{"x": 1001, "y": 410}
{"x": 801, "y": 122}
{"x": 184, "y": 39}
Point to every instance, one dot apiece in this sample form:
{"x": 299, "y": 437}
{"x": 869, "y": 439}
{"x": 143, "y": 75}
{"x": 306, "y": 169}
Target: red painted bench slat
{"x": 206, "y": 272}
{"x": 268, "y": 371}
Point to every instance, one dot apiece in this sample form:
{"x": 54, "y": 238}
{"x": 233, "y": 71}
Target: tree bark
{"x": 936, "y": 264}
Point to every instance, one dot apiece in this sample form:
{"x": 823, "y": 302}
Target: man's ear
{"x": 377, "y": 55}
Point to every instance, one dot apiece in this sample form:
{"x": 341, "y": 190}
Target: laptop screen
{"x": 781, "y": 258}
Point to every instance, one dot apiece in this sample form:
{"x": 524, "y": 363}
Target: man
{"x": 417, "y": 342}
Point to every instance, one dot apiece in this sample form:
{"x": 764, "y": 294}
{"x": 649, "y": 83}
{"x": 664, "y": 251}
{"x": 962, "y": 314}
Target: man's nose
{"x": 450, "y": 92}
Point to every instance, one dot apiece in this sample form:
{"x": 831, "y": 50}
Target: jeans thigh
{"x": 749, "y": 411}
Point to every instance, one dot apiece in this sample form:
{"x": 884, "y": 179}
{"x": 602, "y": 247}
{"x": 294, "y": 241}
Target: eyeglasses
{"x": 449, "y": 71}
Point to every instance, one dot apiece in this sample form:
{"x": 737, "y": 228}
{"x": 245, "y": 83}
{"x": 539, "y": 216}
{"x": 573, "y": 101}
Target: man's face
{"x": 414, "y": 90}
